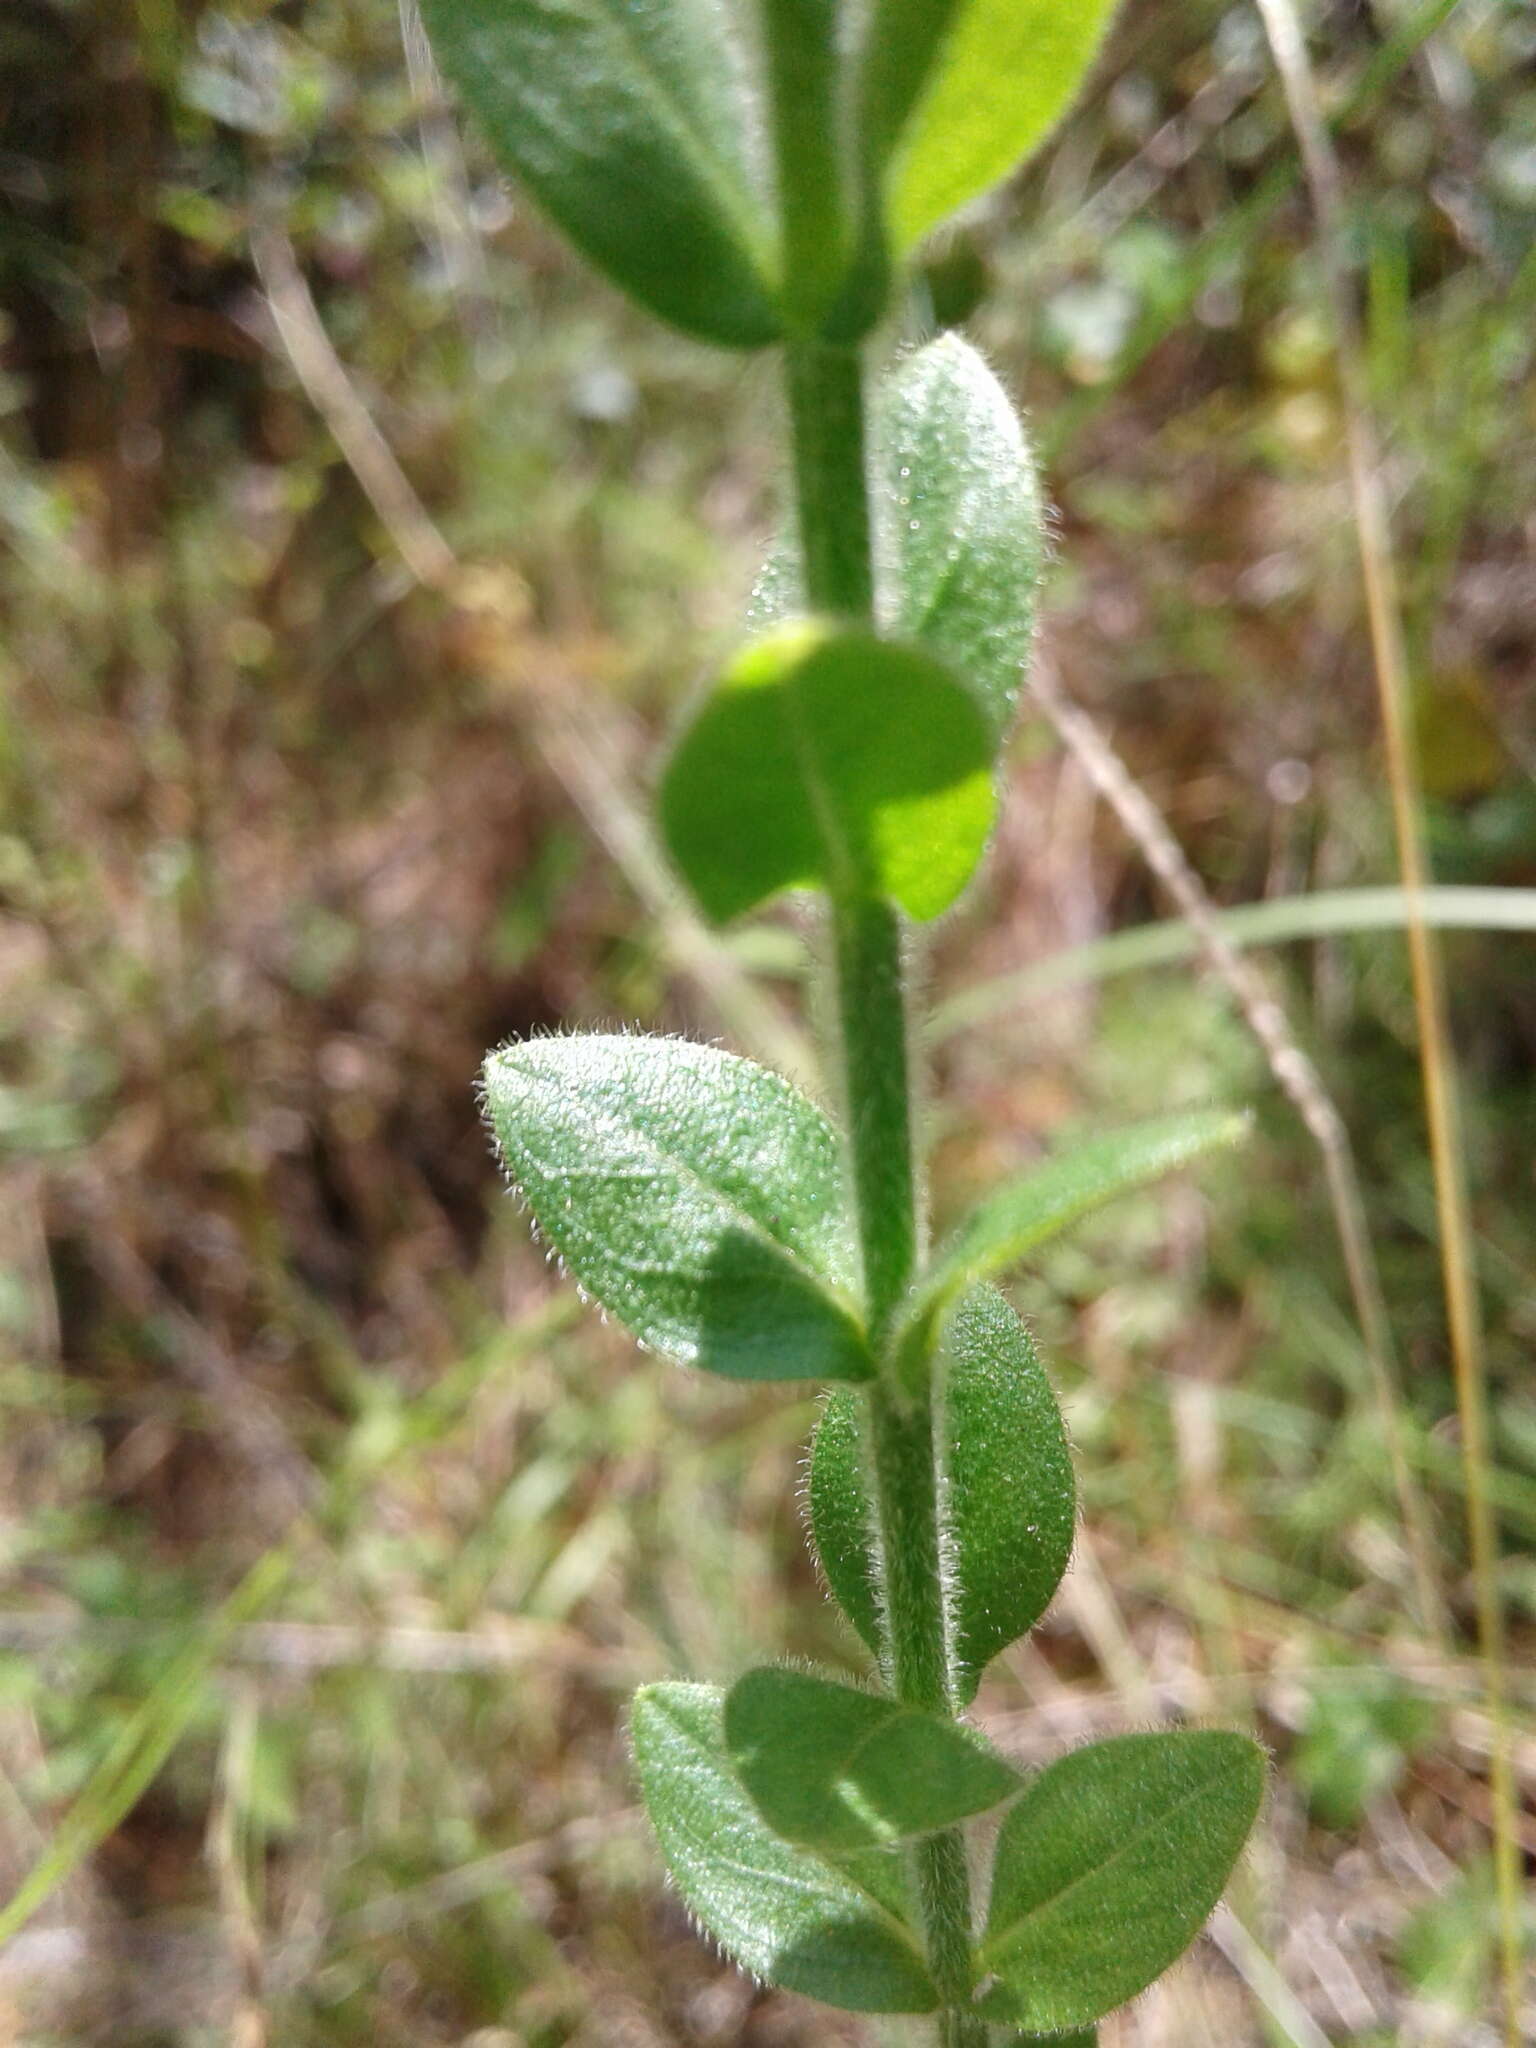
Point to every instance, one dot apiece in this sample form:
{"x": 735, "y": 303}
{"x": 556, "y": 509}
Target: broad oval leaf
{"x": 984, "y": 91}
{"x": 1009, "y": 1504}
{"x": 965, "y": 529}
{"x": 1107, "y": 1868}
{"x": 695, "y": 1195}
{"x": 786, "y": 1914}
{"x": 832, "y": 759}
{"x": 838, "y": 1769}
{"x": 633, "y": 124}
{"x": 1025, "y": 1212}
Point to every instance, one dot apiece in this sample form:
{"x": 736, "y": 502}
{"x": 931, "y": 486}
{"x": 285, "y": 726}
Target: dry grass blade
{"x": 1290, "y": 2017}
{"x": 227, "y": 1852}
{"x": 1296, "y": 1073}
{"x": 1437, "y": 1061}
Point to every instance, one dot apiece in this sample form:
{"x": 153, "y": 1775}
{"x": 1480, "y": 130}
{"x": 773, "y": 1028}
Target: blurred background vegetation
{"x": 356, "y": 550}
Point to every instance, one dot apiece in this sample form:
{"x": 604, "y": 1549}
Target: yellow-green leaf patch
{"x": 831, "y": 759}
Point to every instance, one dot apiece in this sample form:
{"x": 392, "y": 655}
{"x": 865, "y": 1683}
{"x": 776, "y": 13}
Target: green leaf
{"x": 900, "y": 50}
{"x": 838, "y": 1769}
{"x": 697, "y": 1196}
{"x": 965, "y": 534}
{"x": 633, "y": 125}
{"x": 1025, "y": 1212}
{"x": 831, "y": 759}
{"x": 842, "y": 1531}
{"x": 960, "y": 528}
{"x": 1107, "y": 1868}
{"x": 1012, "y": 1501}
{"x": 1009, "y": 1504}
{"x": 985, "y": 81}
{"x": 1079, "y": 2037}
{"x": 782, "y": 1912}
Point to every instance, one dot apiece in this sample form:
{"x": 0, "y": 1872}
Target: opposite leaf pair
{"x": 700, "y": 1199}
{"x": 769, "y": 1805}
{"x": 643, "y": 128}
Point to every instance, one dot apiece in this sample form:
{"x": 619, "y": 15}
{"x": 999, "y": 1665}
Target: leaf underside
{"x": 697, "y": 1196}
{"x": 1107, "y": 1868}
{"x": 837, "y": 1932}
{"x": 830, "y": 759}
{"x": 839, "y": 1769}
{"x": 1010, "y": 1504}
{"x": 632, "y": 123}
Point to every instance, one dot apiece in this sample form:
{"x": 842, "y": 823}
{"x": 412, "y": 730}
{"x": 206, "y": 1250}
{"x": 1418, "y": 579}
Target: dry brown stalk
{"x": 1297, "y": 1075}
{"x": 1436, "y": 1053}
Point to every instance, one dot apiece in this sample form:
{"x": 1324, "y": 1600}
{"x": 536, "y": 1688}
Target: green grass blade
{"x": 1324, "y": 913}
{"x": 135, "y": 1760}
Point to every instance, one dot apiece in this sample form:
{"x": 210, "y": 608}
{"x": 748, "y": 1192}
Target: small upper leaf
{"x": 964, "y": 530}
{"x": 959, "y": 525}
{"x": 1107, "y": 1868}
{"x": 832, "y": 759}
{"x": 782, "y": 1912}
{"x": 1025, "y": 1212}
{"x": 840, "y": 1770}
{"x": 1009, "y": 1502}
{"x": 633, "y": 125}
{"x": 697, "y": 1196}
{"x": 985, "y": 82}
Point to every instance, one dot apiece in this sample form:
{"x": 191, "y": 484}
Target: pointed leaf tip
{"x": 1024, "y": 1212}
{"x": 697, "y": 1196}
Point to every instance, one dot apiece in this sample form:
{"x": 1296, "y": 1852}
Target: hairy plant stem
{"x": 832, "y": 499}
